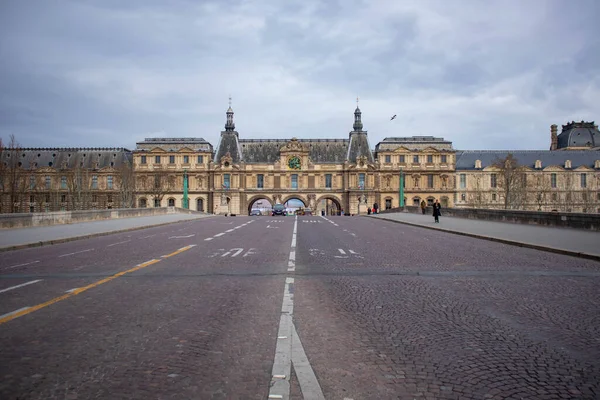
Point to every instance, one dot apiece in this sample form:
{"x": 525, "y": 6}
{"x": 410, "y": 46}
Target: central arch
{"x": 293, "y": 203}
{"x": 257, "y": 198}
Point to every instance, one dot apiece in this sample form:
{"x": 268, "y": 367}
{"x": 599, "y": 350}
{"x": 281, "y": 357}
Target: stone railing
{"x": 560, "y": 219}
{"x": 23, "y": 220}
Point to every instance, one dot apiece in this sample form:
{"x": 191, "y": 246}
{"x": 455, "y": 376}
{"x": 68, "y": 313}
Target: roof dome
{"x": 579, "y": 134}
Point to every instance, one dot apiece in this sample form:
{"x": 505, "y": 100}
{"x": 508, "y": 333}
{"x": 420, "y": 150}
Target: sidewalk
{"x": 575, "y": 242}
{"x": 12, "y": 239}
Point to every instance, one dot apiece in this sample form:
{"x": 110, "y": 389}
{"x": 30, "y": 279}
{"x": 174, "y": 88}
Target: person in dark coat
{"x": 437, "y": 208}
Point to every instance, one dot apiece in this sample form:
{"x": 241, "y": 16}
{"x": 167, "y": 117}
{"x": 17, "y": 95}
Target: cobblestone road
{"x": 383, "y": 311}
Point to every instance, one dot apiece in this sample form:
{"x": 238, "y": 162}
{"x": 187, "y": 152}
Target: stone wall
{"x": 559, "y": 219}
{"x": 23, "y": 220}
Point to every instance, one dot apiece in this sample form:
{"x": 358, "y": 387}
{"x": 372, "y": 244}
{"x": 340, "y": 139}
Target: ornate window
{"x": 328, "y": 184}
{"x": 494, "y": 180}
{"x": 260, "y": 181}
{"x": 294, "y": 181}
{"x": 109, "y": 182}
{"x": 553, "y": 180}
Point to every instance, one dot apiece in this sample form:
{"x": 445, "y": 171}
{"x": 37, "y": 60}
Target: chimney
{"x": 553, "y": 137}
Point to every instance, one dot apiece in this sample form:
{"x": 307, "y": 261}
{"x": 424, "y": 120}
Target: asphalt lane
{"x": 382, "y": 310}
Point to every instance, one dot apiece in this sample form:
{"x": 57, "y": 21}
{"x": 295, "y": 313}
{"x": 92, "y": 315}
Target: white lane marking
{"x": 236, "y": 252}
{"x": 71, "y": 290}
{"x": 21, "y": 265}
{"x": 77, "y": 252}
{"x": 14, "y": 312}
{"x": 182, "y": 237}
{"x": 219, "y": 234}
{"x": 292, "y": 258}
{"x": 21, "y": 285}
{"x": 352, "y": 252}
{"x": 149, "y": 236}
{"x": 207, "y": 239}
{"x": 282, "y": 364}
{"x": 288, "y": 351}
{"x": 330, "y": 221}
{"x": 250, "y": 252}
{"x": 306, "y": 376}
{"x": 114, "y": 244}
{"x": 229, "y": 230}
{"x": 342, "y": 251}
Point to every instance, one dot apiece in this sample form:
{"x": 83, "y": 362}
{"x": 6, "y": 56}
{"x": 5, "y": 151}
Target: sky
{"x": 482, "y": 74}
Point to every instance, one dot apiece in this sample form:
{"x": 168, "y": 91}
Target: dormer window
{"x": 478, "y": 164}
{"x": 597, "y": 164}
{"x": 538, "y": 164}
{"x": 568, "y": 164}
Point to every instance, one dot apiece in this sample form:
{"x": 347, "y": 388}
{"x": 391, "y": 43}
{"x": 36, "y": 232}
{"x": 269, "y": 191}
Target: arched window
{"x": 143, "y": 203}
{"x": 200, "y": 204}
{"x": 171, "y": 202}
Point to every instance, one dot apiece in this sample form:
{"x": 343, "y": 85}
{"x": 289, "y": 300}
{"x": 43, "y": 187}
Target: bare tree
{"x": 79, "y": 188}
{"x": 13, "y": 176}
{"x": 541, "y": 193}
{"x": 127, "y": 185}
{"x": 477, "y": 196}
{"x": 512, "y": 181}
{"x": 157, "y": 184}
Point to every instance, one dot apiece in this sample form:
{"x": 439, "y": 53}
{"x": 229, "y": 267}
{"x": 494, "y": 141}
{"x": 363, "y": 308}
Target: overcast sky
{"x": 483, "y": 74}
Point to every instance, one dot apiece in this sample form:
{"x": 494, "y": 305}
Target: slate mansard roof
{"x": 465, "y": 160}
{"x": 174, "y": 144}
{"x": 413, "y": 143}
{"x": 579, "y": 134}
{"x": 319, "y": 150}
{"x": 70, "y": 157}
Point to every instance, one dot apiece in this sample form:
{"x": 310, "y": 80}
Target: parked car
{"x": 255, "y": 212}
{"x": 278, "y": 209}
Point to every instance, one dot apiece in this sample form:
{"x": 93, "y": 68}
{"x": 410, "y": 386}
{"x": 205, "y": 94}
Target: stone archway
{"x": 332, "y": 205}
{"x": 295, "y": 197}
{"x": 254, "y": 199}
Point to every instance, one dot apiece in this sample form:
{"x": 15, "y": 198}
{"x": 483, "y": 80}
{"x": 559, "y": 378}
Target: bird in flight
{"x": 394, "y": 117}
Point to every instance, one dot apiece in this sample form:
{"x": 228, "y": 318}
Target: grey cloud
{"x": 107, "y": 73}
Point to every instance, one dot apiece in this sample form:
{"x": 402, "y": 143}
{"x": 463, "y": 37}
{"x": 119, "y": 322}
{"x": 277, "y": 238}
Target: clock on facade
{"x": 294, "y": 162}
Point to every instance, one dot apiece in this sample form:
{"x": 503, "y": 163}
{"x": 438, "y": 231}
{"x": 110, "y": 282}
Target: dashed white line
{"x": 208, "y": 239}
{"x": 182, "y": 237}
{"x": 114, "y": 244}
{"x": 21, "y": 265}
{"x": 219, "y": 234}
{"x": 149, "y": 236}
{"x": 77, "y": 252}
{"x": 21, "y": 285}
{"x": 229, "y": 230}
{"x": 292, "y": 259}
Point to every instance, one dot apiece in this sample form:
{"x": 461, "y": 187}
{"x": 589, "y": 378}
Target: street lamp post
{"x": 401, "y": 190}
{"x": 186, "y": 200}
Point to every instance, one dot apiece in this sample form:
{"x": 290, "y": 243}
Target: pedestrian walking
{"x": 369, "y": 211}
{"x": 423, "y": 206}
{"x": 437, "y": 211}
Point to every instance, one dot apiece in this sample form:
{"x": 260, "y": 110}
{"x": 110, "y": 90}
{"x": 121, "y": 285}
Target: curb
{"x": 589, "y": 256}
{"x": 88, "y": 236}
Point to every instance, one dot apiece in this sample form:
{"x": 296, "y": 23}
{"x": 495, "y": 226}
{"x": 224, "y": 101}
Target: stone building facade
{"x": 55, "y": 179}
{"x": 330, "y": 175}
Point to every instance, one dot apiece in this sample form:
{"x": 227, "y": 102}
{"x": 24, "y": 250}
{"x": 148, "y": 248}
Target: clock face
{"x": 294, "y": 162}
